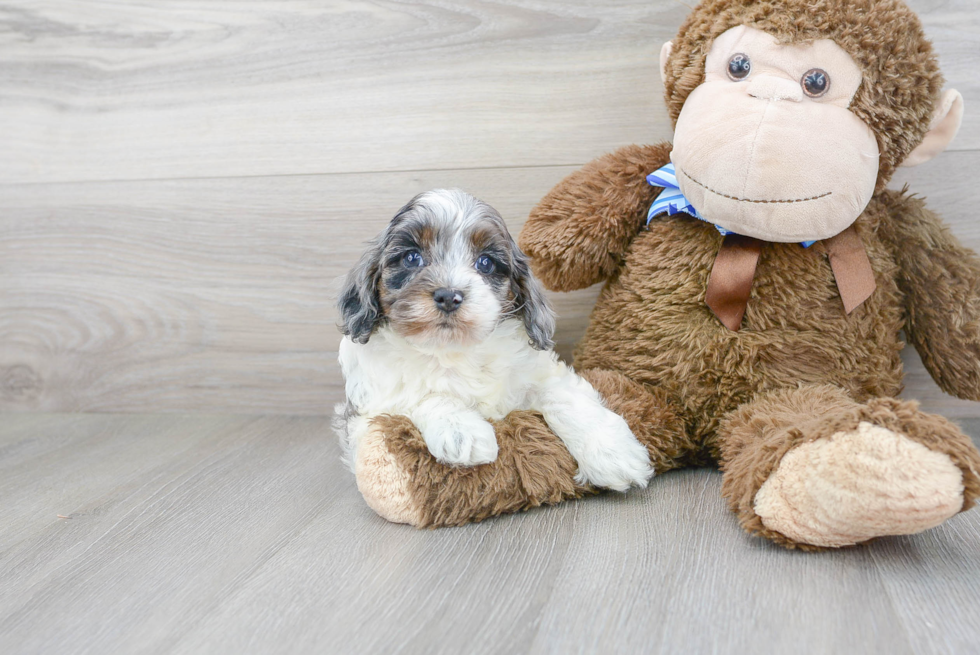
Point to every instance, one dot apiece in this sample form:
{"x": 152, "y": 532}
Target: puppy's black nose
{"x": 448, "y": 300}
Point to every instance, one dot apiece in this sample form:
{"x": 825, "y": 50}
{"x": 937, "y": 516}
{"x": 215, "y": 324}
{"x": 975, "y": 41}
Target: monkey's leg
{"x": 404, "y": 483}
{"x": 810, "y": 467}
{"x": 651, "y": 414}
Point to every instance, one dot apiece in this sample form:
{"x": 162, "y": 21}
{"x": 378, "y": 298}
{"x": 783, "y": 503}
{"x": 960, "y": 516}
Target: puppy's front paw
{"x": 611, "y": 456}
{"x": 465, "y": 439}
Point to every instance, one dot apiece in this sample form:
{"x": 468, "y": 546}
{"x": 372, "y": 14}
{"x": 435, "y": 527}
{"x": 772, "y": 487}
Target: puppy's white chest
{"x": 484, "y": 387}
{"x": 386, "y": 375}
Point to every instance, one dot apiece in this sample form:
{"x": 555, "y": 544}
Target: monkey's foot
{"x": 857, "y": 485}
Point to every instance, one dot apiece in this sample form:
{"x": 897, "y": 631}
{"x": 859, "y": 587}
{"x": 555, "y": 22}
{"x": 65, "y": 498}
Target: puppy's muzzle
{"x": 447, "y": 300}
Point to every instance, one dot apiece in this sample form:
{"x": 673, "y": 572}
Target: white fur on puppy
{"x": 446, "y": 325}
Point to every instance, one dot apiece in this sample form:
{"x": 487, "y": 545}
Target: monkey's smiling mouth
{"x": 762, "y": 202}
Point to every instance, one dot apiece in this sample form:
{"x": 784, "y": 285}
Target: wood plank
{"x": 254, "y": 539}
{"x": 670, "y": 571}
{"x": 217, "y": 294}
{"x": 226, "y": 534}
{"x": 476, "y": 589}
{"x": 62, "y": 458}
{"x": 930, "y": 579}
{"x": 26, "y": 436}
{"x": 200, "y": 294}
{"x": 167, "y": 516}
{"x": 147, "y": 89}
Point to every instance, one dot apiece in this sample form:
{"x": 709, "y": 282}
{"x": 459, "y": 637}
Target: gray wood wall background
{"x": 182, "y": 183}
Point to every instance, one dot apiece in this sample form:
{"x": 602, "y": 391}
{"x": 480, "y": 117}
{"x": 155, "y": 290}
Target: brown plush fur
{"x": 661, "y": 358}
{"x": 532, "y": 468}
{"x": 652, "y": 415}
{"x": 940, "y": 281}
{"x": 607, "y": 202}
{"x": 799, "y": 369}
{"x": 759, "y": 433}
{"x": 651, "y": 323}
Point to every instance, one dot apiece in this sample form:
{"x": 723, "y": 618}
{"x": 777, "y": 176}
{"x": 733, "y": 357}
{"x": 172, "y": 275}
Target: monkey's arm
{"x": 941, "y": 283}
{"x": 577, "y": 235}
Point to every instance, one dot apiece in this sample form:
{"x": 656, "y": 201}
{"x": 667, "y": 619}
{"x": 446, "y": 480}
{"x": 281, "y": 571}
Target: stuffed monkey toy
{"x": 755, "y": 289}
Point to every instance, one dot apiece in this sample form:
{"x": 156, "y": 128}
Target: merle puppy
{"x": 446, "y": 325}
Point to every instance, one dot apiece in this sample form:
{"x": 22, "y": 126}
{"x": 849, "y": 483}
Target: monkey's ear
{"x": 945, "y": 124}
{"x": 664, "y": 56}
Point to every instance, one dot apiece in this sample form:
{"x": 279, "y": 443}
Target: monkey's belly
{"x": 652, "y": 324}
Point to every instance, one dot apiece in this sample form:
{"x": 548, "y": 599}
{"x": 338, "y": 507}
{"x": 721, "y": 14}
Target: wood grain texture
{"x": 166, "y": 515}
{"x": 125, "y": 290}
{"x": 181, "y": 186}
{"x": 225, "y": 534}
{"x": 202, "y": 294}
{"x": 217, "y": 294}
{"x": 148, "y": 89}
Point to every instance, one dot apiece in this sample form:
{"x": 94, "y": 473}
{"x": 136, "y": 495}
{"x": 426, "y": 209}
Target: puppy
{"x": 445, "y": 324}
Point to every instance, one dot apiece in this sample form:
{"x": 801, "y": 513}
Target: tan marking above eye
{"x": 481, "y": 238}
{"x": 424, "y": 235}
{"x": 484, "y": 237}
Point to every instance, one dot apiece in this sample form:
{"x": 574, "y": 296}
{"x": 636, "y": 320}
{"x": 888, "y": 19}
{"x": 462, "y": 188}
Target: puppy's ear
{"x": 539, "y": 319}
{"x": 359, "y": 304}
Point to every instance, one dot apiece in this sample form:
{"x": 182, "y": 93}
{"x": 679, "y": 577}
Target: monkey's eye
{"x": 739, "y": 67}
{"x": 485, "y": 265}
{"x": 412, "y": 259}
{"x": 815, "y": 82}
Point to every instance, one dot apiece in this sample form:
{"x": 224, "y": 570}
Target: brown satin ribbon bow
{"x": 731, "y": 276}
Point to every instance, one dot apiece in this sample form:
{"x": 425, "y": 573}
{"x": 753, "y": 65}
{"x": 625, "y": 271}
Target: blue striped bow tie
{"x": 672, "y": 201}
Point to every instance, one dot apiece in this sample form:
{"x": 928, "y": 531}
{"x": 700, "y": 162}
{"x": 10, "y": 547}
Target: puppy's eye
{"x": 413, "y": 259}
{"x": 485, "y": 265}
{"x": 739, "y": 67}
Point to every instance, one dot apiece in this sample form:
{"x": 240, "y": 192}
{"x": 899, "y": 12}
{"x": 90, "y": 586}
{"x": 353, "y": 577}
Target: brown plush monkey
{"x": 764, "y": 336}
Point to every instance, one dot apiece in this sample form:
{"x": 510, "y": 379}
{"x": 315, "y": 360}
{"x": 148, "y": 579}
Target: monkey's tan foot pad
{"x": 385, "y": 485}
{"x": 857, "y": 485}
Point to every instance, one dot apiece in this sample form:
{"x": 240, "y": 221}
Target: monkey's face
{"x": 767, "y": 147}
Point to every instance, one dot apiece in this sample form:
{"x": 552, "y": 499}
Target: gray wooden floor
{"x": 182, "y": 183}
{"x": 226, "y": 534}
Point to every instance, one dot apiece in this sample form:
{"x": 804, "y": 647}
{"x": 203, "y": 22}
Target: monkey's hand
{"x": 941, "y": 283}
{"x": 578, "y": 233}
